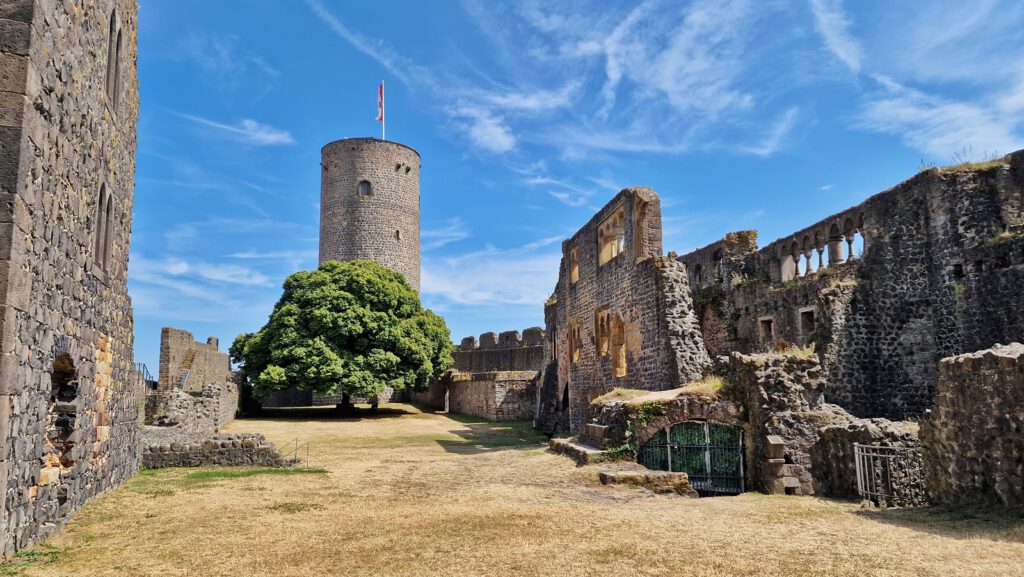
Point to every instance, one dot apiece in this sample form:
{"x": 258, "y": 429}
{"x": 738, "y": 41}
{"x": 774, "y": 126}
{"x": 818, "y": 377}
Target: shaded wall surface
{"x": 507, "y": 351}
{"x": 884, "y": 290}
{"x": 974, "y": 438}
{"x": 69, "y": 394}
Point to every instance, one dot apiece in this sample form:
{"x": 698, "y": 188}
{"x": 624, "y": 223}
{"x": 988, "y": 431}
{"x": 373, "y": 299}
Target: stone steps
{"x": 579, "y": 452}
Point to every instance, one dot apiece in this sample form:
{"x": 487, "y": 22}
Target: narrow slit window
{"x": 365, "y": 188}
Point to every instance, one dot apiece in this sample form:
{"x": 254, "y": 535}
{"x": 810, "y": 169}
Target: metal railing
{"x": 292, "y": 449}
{"x": 890, "y": 476}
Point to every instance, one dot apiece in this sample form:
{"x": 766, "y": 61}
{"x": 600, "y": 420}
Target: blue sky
{"x": 529, "y": 116}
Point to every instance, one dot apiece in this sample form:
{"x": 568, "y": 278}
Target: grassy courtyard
{"x": 410, "y": 493}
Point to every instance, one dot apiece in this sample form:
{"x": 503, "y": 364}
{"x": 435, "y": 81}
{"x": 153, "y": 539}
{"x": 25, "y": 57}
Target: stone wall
{"x": 883, "y": 290}
{"x": 380, "y": 222}
{"x": 225, "y": 450}
{"x": 495, "y": 396}
{"x": 794, "y": 442}
{"x": 974, "y": 437}
{"x": 622, "y": 318}
{"x": 191, "y": 365}
{"x": 69, "y": 397}
{"x": 507, "y": 351}
{"x": 202, "y": 411}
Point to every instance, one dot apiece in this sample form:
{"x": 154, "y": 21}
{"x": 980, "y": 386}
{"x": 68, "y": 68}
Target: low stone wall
{"x": 974, "y": 437}
{"x": 203, "y": 411}
{"x": 239, "y": 449}
{"x": 507, "y": 351}
{"x": 835, "y": 473}
{"x": 497, "y": 396}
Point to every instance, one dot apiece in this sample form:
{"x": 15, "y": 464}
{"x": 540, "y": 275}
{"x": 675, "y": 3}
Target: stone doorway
{"x": 710, "y": 453}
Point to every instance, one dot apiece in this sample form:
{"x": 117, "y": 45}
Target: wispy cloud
{"x": 775, "y": 137}
{"x": 247, "y": 131}
{"x": 523, "y": 275}
{"x": 833, "y": 25}
{"x": 221, "y": 59}
{"x": 454, "y": 230}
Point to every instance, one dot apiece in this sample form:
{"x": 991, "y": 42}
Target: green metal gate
{"x": 710, "y": 453}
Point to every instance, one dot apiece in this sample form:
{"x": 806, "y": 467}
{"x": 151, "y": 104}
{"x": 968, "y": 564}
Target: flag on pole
{"x": 380, "y": 108}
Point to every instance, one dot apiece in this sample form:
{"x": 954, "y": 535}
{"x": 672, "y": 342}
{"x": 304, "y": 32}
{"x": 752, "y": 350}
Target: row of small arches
{"x": 810, "y": 254}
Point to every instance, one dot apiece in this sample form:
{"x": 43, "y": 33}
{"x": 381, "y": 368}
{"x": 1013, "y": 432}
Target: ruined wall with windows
{"x": 883, "y": 290}
{"x": 621, "y": 314}
{"x": 69, "y": 395}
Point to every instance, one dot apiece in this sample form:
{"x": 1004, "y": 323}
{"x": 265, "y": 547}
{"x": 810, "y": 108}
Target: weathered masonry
{"x": 370, "y": 204}
{"x": 928, "y": 269}
{"x": 507, "y": 351}
{"x": 621, "y": 315}
{"x": 69, "y": 395}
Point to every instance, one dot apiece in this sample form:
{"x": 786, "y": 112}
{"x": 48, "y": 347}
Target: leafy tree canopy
{"x": 348, "y": 327}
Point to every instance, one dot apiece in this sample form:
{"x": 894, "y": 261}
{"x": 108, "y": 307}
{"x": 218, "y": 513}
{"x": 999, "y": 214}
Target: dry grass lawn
{"x": 410, "y": 493}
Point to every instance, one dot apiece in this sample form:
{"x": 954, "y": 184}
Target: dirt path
{"x": 408, "y": 493}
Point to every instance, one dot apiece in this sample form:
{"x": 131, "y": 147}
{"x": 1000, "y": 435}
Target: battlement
{"x": 531, "y": 337}
{"x": 505, "y": 351}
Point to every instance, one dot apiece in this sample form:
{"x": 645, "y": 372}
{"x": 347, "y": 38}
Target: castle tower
{"x": 370, "y": 204}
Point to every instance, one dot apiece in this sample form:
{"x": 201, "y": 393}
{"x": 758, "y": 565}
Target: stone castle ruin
{"x": 820, "y": 337}
{"x": 69, "y": 394}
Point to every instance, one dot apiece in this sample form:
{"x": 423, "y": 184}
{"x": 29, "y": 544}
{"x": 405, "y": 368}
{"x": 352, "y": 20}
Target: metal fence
{"x": 890, "y": 476}
{"x": 711, "y": 454}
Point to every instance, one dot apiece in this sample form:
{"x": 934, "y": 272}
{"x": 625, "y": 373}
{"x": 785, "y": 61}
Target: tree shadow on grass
{"x": 973, "y": 522}
{"x": 307, "y": 414}
{"x": 480, "y": 436}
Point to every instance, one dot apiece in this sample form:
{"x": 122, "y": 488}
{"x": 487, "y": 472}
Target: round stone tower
{"x": 370, "y": 204}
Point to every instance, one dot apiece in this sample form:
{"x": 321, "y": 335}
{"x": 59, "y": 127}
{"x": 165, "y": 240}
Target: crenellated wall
{"x": 930, "y": 268}
{"x": 507, "y": 351}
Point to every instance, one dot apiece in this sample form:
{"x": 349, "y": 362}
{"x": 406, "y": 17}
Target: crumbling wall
{"x": 620, "y": 317}
{"x": 69, "y": 395}
{"x": 190, "y": 364}
{"x": 974, "y": 437}
{"x": 495, "y": 396}
{"x": 507, "y": 351}
{"x": 883, "y": 290}
{"x": 202, "y": 411}
{"x": 835, "y": 472}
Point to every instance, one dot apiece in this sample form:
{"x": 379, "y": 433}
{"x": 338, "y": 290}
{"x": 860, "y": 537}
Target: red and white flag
{"x": 380, "y": 102}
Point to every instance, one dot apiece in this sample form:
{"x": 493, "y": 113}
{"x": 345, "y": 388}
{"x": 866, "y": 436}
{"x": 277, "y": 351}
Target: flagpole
{"x": 383, "y": 122}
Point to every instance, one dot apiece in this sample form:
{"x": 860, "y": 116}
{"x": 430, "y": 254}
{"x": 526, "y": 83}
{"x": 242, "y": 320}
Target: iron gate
{"x": 890, "y": 476}
{"x": 710, "y": 453}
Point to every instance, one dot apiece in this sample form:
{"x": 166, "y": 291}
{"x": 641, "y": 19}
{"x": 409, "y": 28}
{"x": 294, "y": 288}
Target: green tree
{"x": 346, "y": 328}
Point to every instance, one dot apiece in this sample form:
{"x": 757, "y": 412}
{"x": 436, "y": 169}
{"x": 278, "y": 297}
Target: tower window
{"x": 364, "y": 188}
{"x": 114, "y": 46}
{"x": 398, "y": 235}
{"x": 104, "y": 230}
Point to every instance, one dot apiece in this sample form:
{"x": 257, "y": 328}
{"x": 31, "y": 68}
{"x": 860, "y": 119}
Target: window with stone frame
{"x": 618, "y": 347}
{"x": 611, "y": 236}
{"x": 575, "y": 343}
{"x": 115, "y": 43}
{"x": 766, "y": 329}
{"x": 807, "y": 321}
{"x": 365, "y": 188}
{"x": 574, "y": 265}
{"x": 603, "y": 331}
{"x": 639, "y": 228}
{"x": 103, "y": 231}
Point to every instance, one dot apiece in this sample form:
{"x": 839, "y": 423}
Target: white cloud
{"x": 833, "y": 24}
{"x": 484, "y": 128}
{"x": 454, "y": 231}
{"x": 775, "y": 137}
{"x": 523, "y": 275}
{"x": 247, "y": 131}
{"x": 937, "y": 125}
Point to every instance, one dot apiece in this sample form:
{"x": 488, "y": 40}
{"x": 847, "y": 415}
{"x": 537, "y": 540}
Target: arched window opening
{"x": 398, "y": 235}
{"x": 788, "y": 268}
{"x": 61, "y": 419}
{"x": 365, "y": 188}
{"x": 574, "y": 265}
{"x": 575, "y": 343}
{"x": 603, "y": 330}
{"x": 565, "y": 399}
{"x": 618, "y": 338}
{"x": 611, "y": 237}
{"x": 108, "y": 234}
{"x": 100, "y": 229}
{"x": 112, "y": 49}
{"x": 116, "y": 87}
{"x": 710, "y": 453}
{"x": 806, "y": 248}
